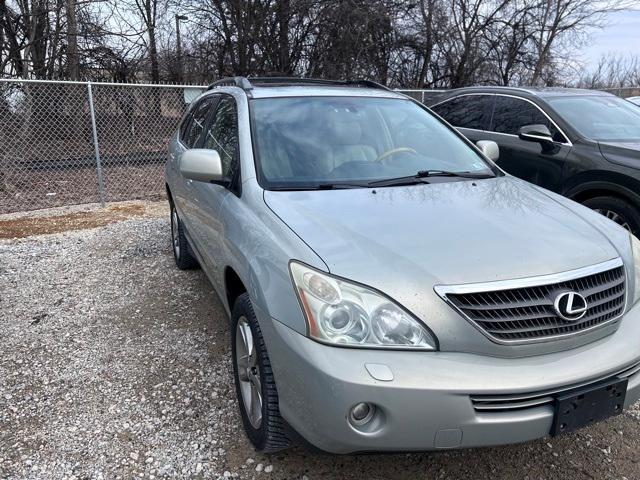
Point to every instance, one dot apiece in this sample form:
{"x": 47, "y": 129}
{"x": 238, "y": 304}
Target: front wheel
{"x": 618, "y": 210}
{"x": 255, "y": 385}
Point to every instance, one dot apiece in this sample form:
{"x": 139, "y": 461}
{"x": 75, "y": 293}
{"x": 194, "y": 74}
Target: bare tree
{"x": 613, "y": 71}
{"x": 148, "y": 11}
{"x": 566, "y": 20}
{"x": 410, "y": 43}
{"x": 510, "y": 57}
{"x": 13, "y": 39}
{"x": 73, "y": 62}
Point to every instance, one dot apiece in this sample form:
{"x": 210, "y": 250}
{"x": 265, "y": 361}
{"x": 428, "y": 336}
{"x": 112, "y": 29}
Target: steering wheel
{"x": 393, "y": 151}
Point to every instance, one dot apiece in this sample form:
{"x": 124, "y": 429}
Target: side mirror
{"x": 202, "y": 165}
{"x": 489, "y": 148}
{"x": 535, "y": 133}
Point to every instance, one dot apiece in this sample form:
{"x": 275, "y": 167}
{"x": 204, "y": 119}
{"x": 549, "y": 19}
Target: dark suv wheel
{"x": 255, "y": 385}
{"x": 617, "y": 210}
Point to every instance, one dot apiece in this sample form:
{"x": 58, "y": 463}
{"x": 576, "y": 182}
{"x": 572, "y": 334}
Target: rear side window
{"x": 510, "y": 114}
{"x": 467, "y": 111}
{"x": 194, "y": 128}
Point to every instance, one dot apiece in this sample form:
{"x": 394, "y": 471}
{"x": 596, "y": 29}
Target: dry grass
{"x": 62, "y": 220}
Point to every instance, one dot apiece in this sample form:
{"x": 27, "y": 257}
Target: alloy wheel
{"x": 616, "y": 217}
{"x": 248, "y": 372}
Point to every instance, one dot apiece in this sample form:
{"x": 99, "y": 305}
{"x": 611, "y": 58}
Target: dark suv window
{"x": 467, "y": 111}
{"x": 222, "y": 135}
{"x": 196, "y": 124}
{"x": 512, "y": 113}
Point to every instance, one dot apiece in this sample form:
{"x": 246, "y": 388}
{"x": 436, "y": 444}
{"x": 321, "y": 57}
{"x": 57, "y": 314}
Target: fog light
{"x": 361, "y": 413}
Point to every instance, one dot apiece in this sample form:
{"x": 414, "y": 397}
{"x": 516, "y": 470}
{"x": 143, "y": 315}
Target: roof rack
{"x": 247, "y": 83}
{"x": 241, "y": 82}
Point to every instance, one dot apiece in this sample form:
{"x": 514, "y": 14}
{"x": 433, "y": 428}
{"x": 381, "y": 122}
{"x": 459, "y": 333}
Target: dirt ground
{"x": 75, "y": 218}
{"x": 116, "y": 365}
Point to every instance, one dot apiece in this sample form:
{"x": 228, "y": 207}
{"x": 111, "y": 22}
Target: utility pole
{"x": 179, "y": 45}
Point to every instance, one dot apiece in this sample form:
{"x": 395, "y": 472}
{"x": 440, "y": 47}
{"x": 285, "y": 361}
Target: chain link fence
{"x": 66, "y": 143}
{"x": 624, "y": 92}
{"x": 424, "y": 96}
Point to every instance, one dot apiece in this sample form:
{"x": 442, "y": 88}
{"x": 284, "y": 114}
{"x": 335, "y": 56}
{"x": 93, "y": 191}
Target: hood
{"x": 622, "y": 153}
{"x": 406, "y": 238}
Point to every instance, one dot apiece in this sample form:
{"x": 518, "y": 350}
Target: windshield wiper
{"x": 320, "y": 186}
{"x": 419, "y": 177}
{"x": 422, "y": 174}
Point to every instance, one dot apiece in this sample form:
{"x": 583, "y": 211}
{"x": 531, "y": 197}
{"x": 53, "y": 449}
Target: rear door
{"x": 524, "y": 159}
{"x": 469, "y": 113}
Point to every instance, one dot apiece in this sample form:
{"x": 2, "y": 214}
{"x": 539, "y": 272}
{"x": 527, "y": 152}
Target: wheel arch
{"x": 593, "y": 189}
{"x": 233, "y": 286}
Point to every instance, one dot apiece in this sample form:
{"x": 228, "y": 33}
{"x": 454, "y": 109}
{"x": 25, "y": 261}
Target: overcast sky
{"x": 621, "y": 36}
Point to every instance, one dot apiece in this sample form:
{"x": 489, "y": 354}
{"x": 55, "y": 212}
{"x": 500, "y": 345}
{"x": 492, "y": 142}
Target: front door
{"x": 524, "y": 159}
{"x": 190, "y": 136}
{"x": 469, "y": 113}
{"x": 221, "y": 134}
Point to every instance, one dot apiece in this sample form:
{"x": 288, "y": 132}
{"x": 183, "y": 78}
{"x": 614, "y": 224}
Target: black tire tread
{"x": 272, "y": 435}
{"x": 620, "y": 206}
{"x": 187, "y": 260}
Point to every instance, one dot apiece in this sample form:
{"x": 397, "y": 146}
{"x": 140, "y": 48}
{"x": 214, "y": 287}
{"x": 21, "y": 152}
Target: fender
{"x": 613, "y": 183}
{"x": 260, "y": 256}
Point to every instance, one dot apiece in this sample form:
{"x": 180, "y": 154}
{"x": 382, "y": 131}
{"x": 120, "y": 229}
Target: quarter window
{"x": 510, "y": 114}
{"x": 467, "y": 111}
{"x": 222, "y": 136}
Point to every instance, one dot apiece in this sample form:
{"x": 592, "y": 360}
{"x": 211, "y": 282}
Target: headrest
{"x": 344, "y": 126}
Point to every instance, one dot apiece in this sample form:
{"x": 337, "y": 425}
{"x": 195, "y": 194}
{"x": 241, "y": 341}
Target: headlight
{"x": 345, "y": 313}
{"x": 635, "y": 249}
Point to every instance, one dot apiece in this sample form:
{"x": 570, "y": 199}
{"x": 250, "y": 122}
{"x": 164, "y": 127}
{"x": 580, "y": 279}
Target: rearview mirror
{"x": 489, "y": 148}
{"x": 202, "y": 165}
{"x": 535, "y": 133}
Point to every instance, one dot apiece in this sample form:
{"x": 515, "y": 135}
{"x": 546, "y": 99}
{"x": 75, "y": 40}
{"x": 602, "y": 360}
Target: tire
{"x": 617, "y": 210}
{"x": 267, "y": 434}
{"x": 182, "y": 253}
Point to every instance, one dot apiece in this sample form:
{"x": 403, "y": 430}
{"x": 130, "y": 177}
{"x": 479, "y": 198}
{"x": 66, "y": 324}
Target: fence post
{"x": 422, "y": 97}
{"x": 95, "y": 144}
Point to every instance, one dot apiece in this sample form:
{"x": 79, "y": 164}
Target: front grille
{"x": 509, "y": 402}
{"x": 526, "y": 314}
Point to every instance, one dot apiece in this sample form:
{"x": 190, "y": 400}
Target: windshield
{"x": 600, "y": 118}
{"x": 313, "y": 141}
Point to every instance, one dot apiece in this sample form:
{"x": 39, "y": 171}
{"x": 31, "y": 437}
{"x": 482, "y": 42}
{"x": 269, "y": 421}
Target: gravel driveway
{"x": 114, "y": 364}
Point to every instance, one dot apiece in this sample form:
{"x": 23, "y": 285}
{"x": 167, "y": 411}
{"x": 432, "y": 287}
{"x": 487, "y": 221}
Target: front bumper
{"x": 427, "y": 405}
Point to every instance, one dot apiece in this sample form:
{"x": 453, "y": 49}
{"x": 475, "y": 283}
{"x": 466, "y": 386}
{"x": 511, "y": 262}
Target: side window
{"x": 185, "y": 125}
{"x": 467, "y": 111}
{"x": 223, "y": 135}
{"x": 196, "y": 125}
{"x": 512, "y": 113}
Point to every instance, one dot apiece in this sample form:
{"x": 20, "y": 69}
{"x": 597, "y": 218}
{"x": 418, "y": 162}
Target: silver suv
{"x": 390, "y": 288}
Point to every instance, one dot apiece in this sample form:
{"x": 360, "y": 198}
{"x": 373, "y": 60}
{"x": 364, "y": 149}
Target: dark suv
{"x": 583, "y": 144}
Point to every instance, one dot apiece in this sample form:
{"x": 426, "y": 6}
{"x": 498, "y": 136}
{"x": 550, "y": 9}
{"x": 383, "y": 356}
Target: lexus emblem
{"x": 570, "y": 306}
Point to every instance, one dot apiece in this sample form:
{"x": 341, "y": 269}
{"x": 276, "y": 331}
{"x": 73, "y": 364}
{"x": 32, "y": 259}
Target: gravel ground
{"x": 114, "y": 364}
